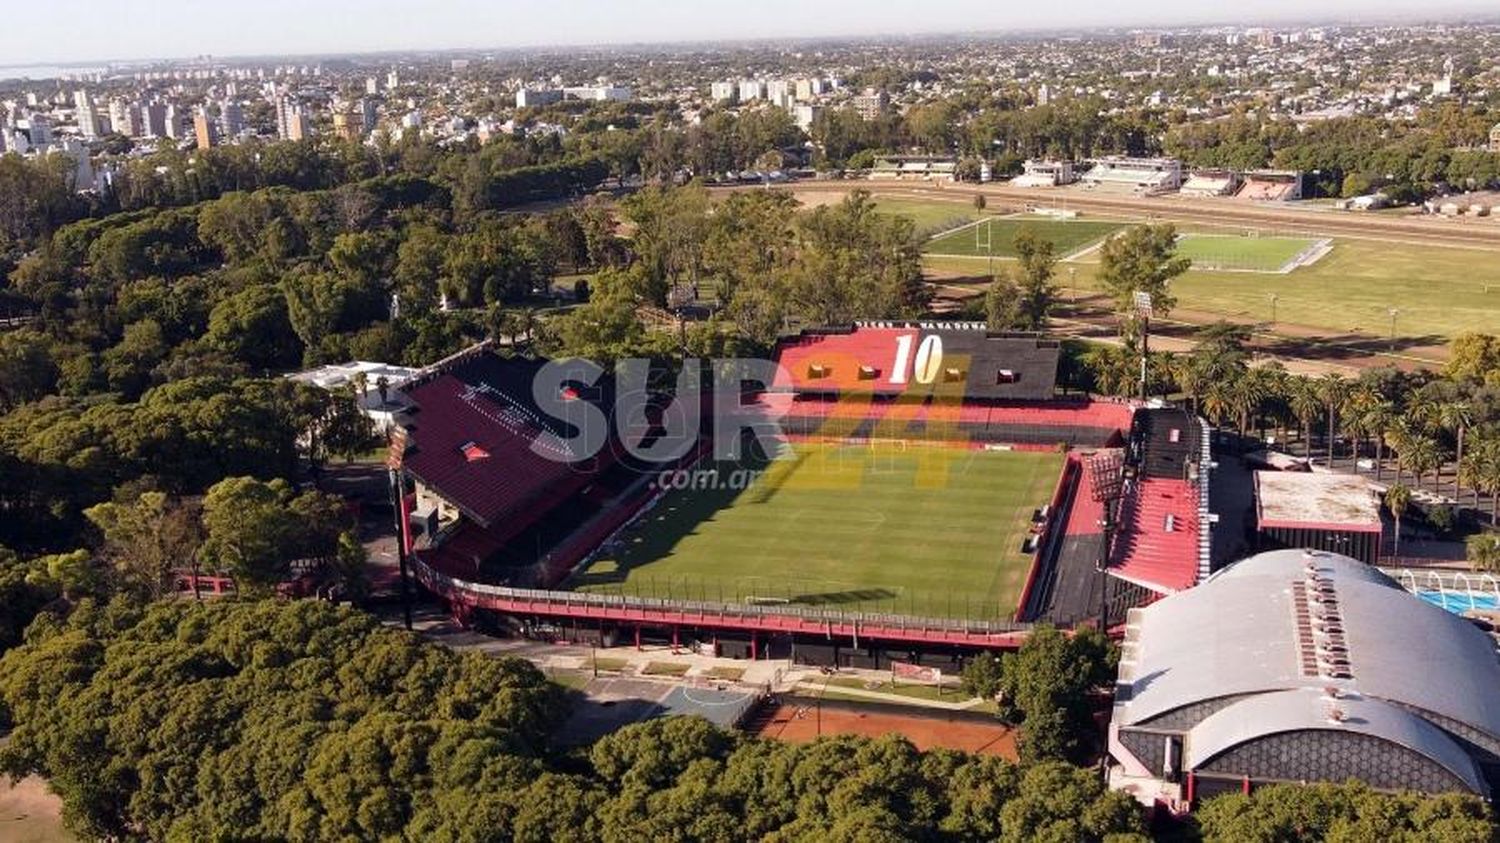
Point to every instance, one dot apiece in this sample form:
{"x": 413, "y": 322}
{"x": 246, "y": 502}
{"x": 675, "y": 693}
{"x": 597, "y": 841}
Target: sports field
{"x": 995, "y": 236}
{"x": 1237, "y": 252}
{"x": 925, "y": 531}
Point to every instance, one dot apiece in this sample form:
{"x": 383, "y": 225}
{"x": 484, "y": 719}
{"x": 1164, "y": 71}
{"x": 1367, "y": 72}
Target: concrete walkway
{"x": 780, "y": 676}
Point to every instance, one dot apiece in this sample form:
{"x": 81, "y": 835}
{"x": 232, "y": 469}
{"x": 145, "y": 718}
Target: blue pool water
{"x": 1460, "y": 601}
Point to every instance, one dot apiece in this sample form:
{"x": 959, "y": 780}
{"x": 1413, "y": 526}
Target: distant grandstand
{"x": 1045, "y": 172}
{"x": 1271, "y": 186}
{"x": 1211, "y": 183}
{"x": 1143, "y": 176}
{"x": 501, "y": 519}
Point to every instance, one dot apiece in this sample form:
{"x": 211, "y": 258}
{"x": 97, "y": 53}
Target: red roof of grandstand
{"x": 953, "y": 359}
{"x": 1157, "y": 544}
{"x": 483, "y": 406}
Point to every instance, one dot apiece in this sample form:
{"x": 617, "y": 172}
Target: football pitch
{"x": 995, "y": 236}
{"x": 1233, "y": 252}
{"x": 926, "y": 531}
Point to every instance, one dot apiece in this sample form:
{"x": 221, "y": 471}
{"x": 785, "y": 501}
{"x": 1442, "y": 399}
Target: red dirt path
{"x": 802, "y": 723}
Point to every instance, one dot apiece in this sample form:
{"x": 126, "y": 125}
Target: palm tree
{"x": 1480, "y": 471}
{"x": 1188, "y": 376}
{"x": 1397, "y": 499}
{"x": 1422, "y": 455}
{"x": 1218, "y": 402}
{"x": 1399, "y": 436}
{"x": 1306, "y": 402}
{"x": 1377, "y": 421}
{"x": 1335, "y": 391}
{"x": 1484, "y": 552}
{"x": 1455, "y": 416}
{"x": 1356, "y": 418}
{"x": 1248, "y": 393}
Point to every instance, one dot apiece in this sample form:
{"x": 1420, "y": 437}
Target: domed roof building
{"x": 1300, "y": 666}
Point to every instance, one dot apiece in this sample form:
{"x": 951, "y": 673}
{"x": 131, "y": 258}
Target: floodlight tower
{"x": 1106, "y": 473}
{"x": 1143, "y": 312}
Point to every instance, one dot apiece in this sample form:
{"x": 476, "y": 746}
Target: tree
{"x": 1483, "y": 552}
{"x": 1002, "y": 304}
{"x": 1045, "y": 684}
{"x": 1312, "y": 812}
{"x": 1142, "y": 260}
{"x": 1480, "y": 470}
{"x": 1335, "y": 391}
{"x": 253, "y": 326}
{"x": 146, "y": 539}
{"x": 247, "y": 533}
{"x": 1036, "y": 265}
{"x": 981, "y": 676}
{"x": 1397, "y": 500}
{"x": 27, "y": 370}
{"x": 1306, "y": 402}
{"x": 345, "y": 429}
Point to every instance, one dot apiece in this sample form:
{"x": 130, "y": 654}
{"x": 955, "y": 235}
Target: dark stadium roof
{"x": 971, "y": 363}
{"x": 473, "y": 433}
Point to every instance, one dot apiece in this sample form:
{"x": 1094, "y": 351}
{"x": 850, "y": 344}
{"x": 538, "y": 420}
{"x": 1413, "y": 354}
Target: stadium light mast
{"x": 1106, "y": 474}
{"x": 1143, "y": 312}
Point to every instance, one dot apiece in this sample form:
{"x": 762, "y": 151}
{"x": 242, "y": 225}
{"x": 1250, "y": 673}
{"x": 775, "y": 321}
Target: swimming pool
{"x": 1459, "y": 602}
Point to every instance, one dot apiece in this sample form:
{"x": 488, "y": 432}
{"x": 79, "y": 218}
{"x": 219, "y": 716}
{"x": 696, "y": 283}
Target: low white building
{"x": 377, "y": 386}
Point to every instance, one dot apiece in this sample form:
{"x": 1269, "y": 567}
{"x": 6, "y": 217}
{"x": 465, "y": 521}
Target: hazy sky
{"x": 78, "y": 30}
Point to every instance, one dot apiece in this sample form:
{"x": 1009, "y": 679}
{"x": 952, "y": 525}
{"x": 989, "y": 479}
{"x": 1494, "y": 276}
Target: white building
{"x": 751, "y": 89}
{"x": 86, "y": 116}
{"x": 805, "y": 115}
{"x": 373, "y": 378}
{"x": 1041, "y": 172}
{"x": 1134, "y": 175}
{"x": 535, "y": 97}
{"x": 723, "y": 92}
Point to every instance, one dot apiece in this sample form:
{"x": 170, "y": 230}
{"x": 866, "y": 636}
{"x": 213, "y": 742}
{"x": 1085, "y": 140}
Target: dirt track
{"x": 804, "y": 720}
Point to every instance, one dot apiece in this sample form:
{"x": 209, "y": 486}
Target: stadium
{"x": 894, "y": 492}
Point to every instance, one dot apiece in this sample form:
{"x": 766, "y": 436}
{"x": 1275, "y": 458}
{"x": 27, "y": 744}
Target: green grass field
{"x": 996, "y": 236}
{"x": 1440, "y": 291}
{"x": 1235, "y": 252}
{"x": 928, "y": 215}
{"x": 925, "y": 531}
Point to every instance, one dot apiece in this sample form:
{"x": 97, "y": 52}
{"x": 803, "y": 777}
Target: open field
{"x": 929, "y": 216}
{"x": 927, "y": 531}
{"x": 1439, "y": 291}
{"x": 30, "y": 812}
{"x": 1237, "y": 252}
{"x": 996, "y": 237}
{"x": 801, "y": 720}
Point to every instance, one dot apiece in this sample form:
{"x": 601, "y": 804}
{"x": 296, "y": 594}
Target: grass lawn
{"x": 926, "y": 531}
{"x": 945, "y": 693}
{"x": 665, "y": 669}
{"x": 610, "y": 664}
{"x": 1229, "y": 251}
{"x": 997, "y": 236}
{"x": 729, "y": 674}
{"x": 929, "y": 216}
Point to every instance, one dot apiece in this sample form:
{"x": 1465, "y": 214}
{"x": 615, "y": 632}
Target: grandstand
{"x": 503, "y": 519}
{"x": 1211, "y": 183}
{"x": 1044, "y": 172}
{"x": 1271, "y": 186}
{"x": 1143, "y": 176}
{"x": 906, "y": 167}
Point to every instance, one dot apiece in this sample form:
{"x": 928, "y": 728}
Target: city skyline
{"x": 142, "y": 31}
